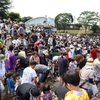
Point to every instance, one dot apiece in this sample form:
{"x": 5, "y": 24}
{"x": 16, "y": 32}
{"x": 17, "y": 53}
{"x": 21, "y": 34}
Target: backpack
{"x": 75, "y": 97}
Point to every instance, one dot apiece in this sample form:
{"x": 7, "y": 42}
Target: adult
{"x": 35, "y": 57}
{"x": 22, "y": 52}
{"x": 27, "y": 91}
{"x": 87, "y": 75}
{"x": 44, "y": 71}
{"x": 2, "y": 67}
{"x": 81, "y": 61}
{"x": 10, "y": 59}
{"x": 29, "y": 74}
{"x": 34, "y": 37}
{"x": 21, "y": 64}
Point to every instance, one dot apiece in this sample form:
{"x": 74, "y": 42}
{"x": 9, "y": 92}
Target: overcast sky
{"x": 38, "y": 8}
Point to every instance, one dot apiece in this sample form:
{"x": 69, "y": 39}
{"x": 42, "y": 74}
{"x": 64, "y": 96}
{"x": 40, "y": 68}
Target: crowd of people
{"x": 29, "y": 56}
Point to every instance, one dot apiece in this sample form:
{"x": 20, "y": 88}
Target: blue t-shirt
{"x": 10, "y": 83}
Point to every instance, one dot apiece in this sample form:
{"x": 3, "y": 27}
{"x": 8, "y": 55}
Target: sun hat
{"x": 45, "y": 52}
{"x": 90, "y": 61}
{"x": 2, "y": 57}
{"x": 8, "y": 37}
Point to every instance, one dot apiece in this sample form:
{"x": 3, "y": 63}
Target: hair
{"x": 46, "y": 88}
{"x": 35, "y": 91}
{"x": 33, "y": 63}
{"x": 16, "y": 75}
{"x": 71, "y": 77}
{"x": 11, "y": 47}
{"x": 21, "y": 47}
{"x": 9, "y": 74}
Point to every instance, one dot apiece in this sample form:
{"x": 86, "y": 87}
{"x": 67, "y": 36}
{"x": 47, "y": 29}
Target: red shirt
{"x": 94, "y": 53}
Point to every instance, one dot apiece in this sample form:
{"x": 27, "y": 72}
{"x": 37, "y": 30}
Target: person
{"x": 81, "y": 61}
{"x": 2, "y": 67}
{"x": 35, "y": 57}
{"x": 27, "y": 91}
{"x": 17, "y": 79}
{"x": 87, "y": 76}
{"x": 46, "y": 94}
{"x": 62, "y": 66}
{"x": 72, "y": 80}
{"x": 22, "y": 63}
{"x": 44, "y": 71}
{"x": 29, "y": 74}
{"x": 59, "y": 91}
{"x": 10, "y": 59}
{"x": 22, "y": 52}
{"x": 10, "y": 84}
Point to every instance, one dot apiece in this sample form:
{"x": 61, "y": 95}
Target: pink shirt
{"x": 37, "y": 59}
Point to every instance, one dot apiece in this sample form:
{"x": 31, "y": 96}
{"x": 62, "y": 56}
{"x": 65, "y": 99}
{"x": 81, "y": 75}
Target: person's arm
{"x": 34, "y": 79}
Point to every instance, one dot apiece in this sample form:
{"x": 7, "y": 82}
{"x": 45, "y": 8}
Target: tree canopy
{"x": 62, "y": 20}
{"x": 13, "y": 16}
{"x": 4, "y": 6}
{"x": 87, "y": 18}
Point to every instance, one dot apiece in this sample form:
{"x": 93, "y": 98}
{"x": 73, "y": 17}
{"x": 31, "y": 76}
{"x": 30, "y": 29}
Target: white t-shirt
{"x": 28, "y": 74}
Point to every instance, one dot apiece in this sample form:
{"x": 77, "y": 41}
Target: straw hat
{"x": 90, "y": 61}
{"x": 46, "y": 52}
{"x": 8, "y": 37}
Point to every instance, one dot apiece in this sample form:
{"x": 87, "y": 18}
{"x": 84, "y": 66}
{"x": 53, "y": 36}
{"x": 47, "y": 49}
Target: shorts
{"x": 44, "y": 76}
{"x": 10, "y": 91}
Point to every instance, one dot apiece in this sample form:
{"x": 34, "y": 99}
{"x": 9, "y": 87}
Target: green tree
{"x": 4, "y": 6}
{"x": 95, "y": 28}
{"x": 77, "y": 26}
{"x": 63, "y": 20}
{"x": 87, "y": 18}
{"x": 24, "y": 19}
{"x": 14, "y": 16}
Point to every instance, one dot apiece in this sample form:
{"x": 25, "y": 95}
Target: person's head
{"x": 16, "y": 76}
{"x": 79, "y": 58}
{"x": 35, "y": 92}
{"x": 35, "y": 53}
{"x": 20, "y": 48}
{"x": 9, "y": 75}
{"x": 71, "y": 79}
{"x": 33, "y": 64}
{"x": 11, "y": 47}
{"x": 46, "y": 88}
{"x": 67, "y": 49}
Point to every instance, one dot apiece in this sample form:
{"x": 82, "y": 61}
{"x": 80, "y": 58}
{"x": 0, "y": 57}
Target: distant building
{"x": 41, "y": 21}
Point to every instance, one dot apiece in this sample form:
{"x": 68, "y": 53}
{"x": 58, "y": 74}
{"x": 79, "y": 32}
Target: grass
{"x": 76, "y": 31}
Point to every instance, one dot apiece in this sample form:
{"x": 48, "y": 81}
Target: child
{"x": 10, "y": 84}
{"x": 72, "y": 65}
{"x": 17, "y": 80}
{"x": 72, "y": 80}
{"x": 46, "y": 93}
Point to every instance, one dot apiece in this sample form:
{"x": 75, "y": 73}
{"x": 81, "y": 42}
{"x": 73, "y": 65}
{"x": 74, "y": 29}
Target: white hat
{"x": 46, "y": 52}
{"x": 90, "y": 61}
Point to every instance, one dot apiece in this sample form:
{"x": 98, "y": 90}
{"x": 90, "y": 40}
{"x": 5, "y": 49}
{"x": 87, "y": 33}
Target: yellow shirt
{"x": 71, "y": 95}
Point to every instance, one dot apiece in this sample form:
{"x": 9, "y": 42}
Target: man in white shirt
{"x": 29, "y": 74}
